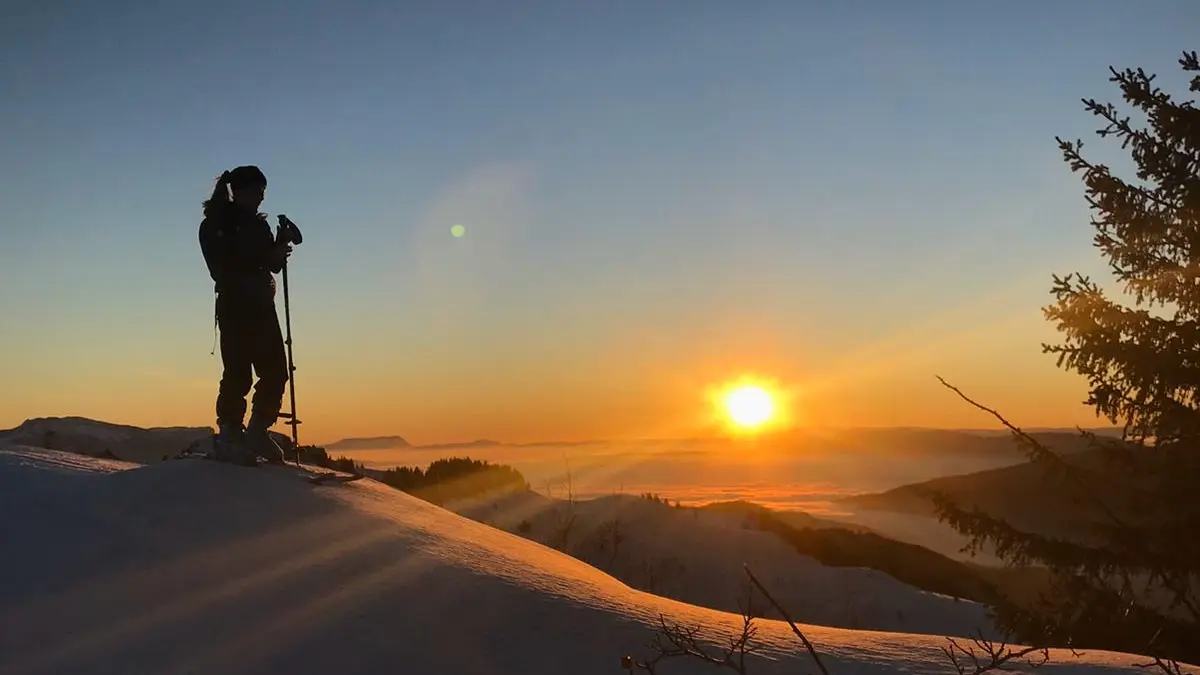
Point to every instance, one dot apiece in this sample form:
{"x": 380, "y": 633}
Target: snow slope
{"x": 697, "y": 556}
{"x": 196, "y": 567}
{"x": 27, "y": 470}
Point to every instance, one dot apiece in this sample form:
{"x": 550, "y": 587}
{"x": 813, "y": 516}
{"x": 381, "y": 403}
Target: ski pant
{"x": 251, "y": 340}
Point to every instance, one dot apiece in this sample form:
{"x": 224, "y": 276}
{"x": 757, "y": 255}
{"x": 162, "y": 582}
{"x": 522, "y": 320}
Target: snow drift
{"x": 196, "y": 567}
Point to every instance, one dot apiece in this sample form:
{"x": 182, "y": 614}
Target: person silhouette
{"x": 242, "y": 255}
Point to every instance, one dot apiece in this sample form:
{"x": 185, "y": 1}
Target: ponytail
{"x": 220, "y": 195}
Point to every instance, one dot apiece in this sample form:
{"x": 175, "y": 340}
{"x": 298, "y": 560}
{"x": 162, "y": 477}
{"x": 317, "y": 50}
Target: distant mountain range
{"x": 399, "y": 443}
{"x": 147, "y": 444}
{"x": 913, "y": 441}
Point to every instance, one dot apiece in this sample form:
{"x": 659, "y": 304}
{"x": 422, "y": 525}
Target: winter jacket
{"x": 239, "y": 249}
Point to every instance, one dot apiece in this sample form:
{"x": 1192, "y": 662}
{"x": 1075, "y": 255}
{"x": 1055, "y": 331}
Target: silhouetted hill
{"x": 923, "y": 443}
{"x": 369, "y": 443}
{"x": 1110, "y": 432}
{"x": 892, "y": 441}
{"x": 1024, "y": 495}
{"x": 95, "y": 438}
{"x": 798, "y": 519}
{"x": 908, "y": 563}
{"x": 399, "y": 442}
{"x": 481, "y": 443}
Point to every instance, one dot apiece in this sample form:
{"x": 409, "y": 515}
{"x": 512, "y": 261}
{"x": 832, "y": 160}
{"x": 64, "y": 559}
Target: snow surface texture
{"x": 697, "y": 556}
{"x": 14, "y": 458}
{"x": 197, "y": 567}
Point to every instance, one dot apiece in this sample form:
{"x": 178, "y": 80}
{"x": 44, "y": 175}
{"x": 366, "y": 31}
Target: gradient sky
{"x": 658, "y": 196}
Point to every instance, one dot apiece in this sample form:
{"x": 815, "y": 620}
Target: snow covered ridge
{"x": 103, "y": 439}
{"x": 697, "y": 556}
{"x": 196, "y": 567}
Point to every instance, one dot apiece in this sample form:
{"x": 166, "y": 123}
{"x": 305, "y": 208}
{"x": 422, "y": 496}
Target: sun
{"x": 749, "y": 406}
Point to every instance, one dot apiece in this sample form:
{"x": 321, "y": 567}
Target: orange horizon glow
{"x": 629, "y": 381}
{"x": 662, "y": 407}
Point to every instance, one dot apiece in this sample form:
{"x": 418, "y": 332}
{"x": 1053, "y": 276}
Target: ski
{"x": 329, "y": 477}
{"x": 201, "y": 454}
{"x": 318, "y": 475}
{"x": 314, "y": 475}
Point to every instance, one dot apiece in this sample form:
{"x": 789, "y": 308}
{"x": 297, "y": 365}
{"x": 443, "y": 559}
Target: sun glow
{"x": 748, "y": 405}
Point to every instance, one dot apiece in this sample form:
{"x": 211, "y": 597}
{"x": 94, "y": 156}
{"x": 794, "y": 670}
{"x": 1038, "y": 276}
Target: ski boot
{"x": 229, "y": 446}
{"x": 258, "y": 441}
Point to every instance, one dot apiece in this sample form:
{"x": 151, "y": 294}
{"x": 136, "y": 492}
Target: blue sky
{"x": 655, "y": 195}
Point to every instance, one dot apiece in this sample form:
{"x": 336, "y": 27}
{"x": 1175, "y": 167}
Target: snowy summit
{"x": 197, "y": 567}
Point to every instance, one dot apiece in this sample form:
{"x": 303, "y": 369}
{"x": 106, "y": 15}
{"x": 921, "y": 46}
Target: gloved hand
{"x": 279, "y": 254}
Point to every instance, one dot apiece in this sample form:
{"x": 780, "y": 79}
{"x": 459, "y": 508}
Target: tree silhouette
{"x": 454, "y": 478}
{"x": 1128, "y": 580}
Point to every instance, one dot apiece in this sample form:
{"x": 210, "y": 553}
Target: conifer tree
{"x": 1129, "y": 581}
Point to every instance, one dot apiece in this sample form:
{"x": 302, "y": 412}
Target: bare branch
{"x": 1168, "y": 667}
{"x": 562, "y": 525}
{"x": 779, "y": 608}
{"x": 1040, "y": 451}
{"x": 673, "y": 641}
{"x": 986, "y": 656}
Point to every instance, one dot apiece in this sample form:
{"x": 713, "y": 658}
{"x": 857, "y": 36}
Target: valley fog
{"x": 696, "y": 473}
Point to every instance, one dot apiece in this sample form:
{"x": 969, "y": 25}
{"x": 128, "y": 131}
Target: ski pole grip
{"x": 288, "y": 231}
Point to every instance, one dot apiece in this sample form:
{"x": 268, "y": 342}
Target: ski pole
{"x": 288, "y": 231}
